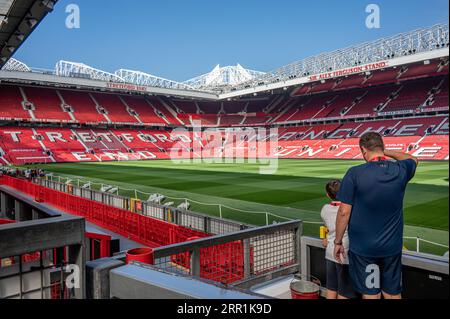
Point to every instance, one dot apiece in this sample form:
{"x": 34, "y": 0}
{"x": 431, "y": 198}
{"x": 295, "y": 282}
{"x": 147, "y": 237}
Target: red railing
{"x": 6, "y": 221}
{"x": 142, "y": 229}
{"x": 223, "y": 263}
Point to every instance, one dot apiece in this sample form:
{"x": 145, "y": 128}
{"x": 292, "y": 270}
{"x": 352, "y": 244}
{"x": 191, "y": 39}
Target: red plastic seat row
{"x": 23, "y": 145}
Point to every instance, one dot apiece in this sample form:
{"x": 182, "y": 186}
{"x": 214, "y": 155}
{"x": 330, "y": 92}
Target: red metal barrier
{"x": 222, "y": 263}
{"x": 145, "y": 230}
{"x": 6, "y": 221}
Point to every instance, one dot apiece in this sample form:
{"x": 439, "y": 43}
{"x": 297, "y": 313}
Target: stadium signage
{"x": 124, "y": 86}
{"x": 349, "y": 71}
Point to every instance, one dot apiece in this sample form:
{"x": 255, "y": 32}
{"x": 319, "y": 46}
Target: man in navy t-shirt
{"x": 372, "y": 208}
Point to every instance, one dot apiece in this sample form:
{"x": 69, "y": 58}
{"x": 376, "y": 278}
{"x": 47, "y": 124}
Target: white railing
{"x": 419, "y": 242}
{"x": 220, "y": 207}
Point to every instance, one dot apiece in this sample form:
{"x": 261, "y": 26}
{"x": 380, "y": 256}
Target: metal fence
{"x": 239, "y": 254}
{"x": 205, "y": 223}
{"x": 34, "y": 276}
{"x": 241, "y": 259}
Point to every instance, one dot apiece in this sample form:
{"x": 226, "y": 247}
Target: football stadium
{"x": 211, "y": 187}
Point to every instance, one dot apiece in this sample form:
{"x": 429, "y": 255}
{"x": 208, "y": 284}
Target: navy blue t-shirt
{"x": 376, "y": 191}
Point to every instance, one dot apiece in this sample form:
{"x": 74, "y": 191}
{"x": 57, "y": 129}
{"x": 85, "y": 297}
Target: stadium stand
{"x": 439, "y": 96}
{"x": 408, "y": 105}
{"x": 83, "y": 106}
{"x": 421, "y": 70}
{"x": 67, "y": 106}
{"x": 189, "y": 107}
{"x": 231, "y": 120}
{"x": 61, "y": 139}
{"x": 382, "y": 77}
{"x": 324, "y": 86}
{"x": 256, "y": 120}
{"x": 426, "y": 149}
{"x": 411, "y": 96}
{"x": 25, "y": 145}
{"x": 209, "y": 107}
{"x": 265, "y": 105}
{"x": 350, "y": 82}
{"x": 344, "y": 102}
{"x": 236, "y": 107}
{"x": 374, "y": 100}
{"x": 163, "y": 110}
{"x": 143, "y": 110}
{"x": 47, "y": 106}
{"x": 11, "y": 106}
{"x": 307, "y": 108}
{"x": 114, "y": 109}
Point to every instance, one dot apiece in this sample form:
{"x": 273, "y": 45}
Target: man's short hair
{"x": 372, "y": 141}
{"x": 332, "y": 188}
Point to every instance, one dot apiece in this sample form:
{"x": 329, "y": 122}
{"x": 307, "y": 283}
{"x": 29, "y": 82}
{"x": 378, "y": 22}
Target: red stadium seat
{"x": 84, "y": 107}
{"x": 324, "y": 119}
{"x": 11, "y": 103}
{"x": 48, "y": 105}
{"x": 115, "y": 108}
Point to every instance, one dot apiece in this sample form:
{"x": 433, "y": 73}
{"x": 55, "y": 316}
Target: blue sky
{"x": 180, "y": 39}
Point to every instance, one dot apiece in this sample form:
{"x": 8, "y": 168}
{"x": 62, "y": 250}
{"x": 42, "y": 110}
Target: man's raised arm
{"x": 400, "y": 156}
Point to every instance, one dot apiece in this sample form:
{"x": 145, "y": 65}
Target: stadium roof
{"x": 410, "y": 43}
{"x": 223, "y": 77}
{"x": 18, "y": 18}
{"x": 219, "y": 77}
{"x": 15, "y": 65}
{"x": 235, "y": 81}
{"x": 80, "y": 70}
{"x": 5, "y": 6}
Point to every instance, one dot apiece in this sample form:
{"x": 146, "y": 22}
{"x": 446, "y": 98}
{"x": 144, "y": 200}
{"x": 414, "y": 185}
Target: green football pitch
{"x": 294, "y": 191}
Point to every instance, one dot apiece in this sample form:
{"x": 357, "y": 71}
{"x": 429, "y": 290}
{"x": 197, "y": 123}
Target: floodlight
{"x": 48, "y": 5}
{"x": 20, "y": 37}
{"x": 31, "y": 23}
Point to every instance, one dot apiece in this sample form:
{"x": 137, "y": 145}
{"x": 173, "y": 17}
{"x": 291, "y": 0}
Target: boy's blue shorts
{"x": 338, "y": 280}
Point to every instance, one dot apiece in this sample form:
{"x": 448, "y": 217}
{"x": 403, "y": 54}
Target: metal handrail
{"x": 223, "y": 239}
